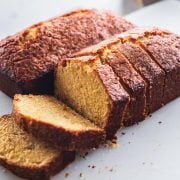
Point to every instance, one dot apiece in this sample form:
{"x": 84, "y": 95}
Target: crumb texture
{"x": 50, "y": 120}
{"x": 20, "y": 148}
{"x": 77, "y": 83}
{"x": 47, "y": 109}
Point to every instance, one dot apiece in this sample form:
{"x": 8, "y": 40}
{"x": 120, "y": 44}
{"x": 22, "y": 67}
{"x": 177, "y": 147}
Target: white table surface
{"x": 148, "y": 151}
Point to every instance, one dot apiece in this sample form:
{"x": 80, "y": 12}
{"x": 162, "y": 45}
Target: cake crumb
{"x": 83, "y": 155}
{"x": 123, "y": 133}
{"x": 86, "y": 153}
{"x": 111, "y": 143}
{"x": 111, "y": 170}
{"x": 66, "y": 175}
{"x": 114, "y": 139}
{"x": 91, "y": 166}
{"x": 81, "y": 175}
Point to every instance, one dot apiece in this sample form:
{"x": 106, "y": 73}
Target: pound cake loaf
{"x": 27, "y": 156}
{"x": 142, "y": 70}
{"x": 49, "y": 119}
{"x": 28, "y": 58}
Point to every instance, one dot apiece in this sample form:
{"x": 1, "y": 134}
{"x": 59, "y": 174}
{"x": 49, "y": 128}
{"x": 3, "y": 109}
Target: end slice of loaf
{"x": 27, "y": 156}
{"x": 47, "y": 118}
{"x": 94, "y": 90}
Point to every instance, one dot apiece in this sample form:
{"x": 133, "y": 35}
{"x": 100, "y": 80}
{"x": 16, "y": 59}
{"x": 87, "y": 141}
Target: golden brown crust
{"x": 62, "y": 138}
{"x": 132, "y": 82}
{"x": 151, "y": 73}
{"x": 128, "y": 36}
{"x": 31, "y": 55}
{"x": 163, "y": 48}
{"x": 119, "y": 98}
{"x": 166, "y": 52}
{"x": 39, "y": 173}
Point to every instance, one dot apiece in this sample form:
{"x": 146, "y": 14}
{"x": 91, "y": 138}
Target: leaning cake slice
{"x": 49, "y": 119}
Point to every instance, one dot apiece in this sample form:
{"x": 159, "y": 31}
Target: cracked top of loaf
{"x": 35, "y": 51}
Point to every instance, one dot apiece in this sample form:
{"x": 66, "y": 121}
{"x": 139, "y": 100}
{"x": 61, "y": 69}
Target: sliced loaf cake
{"x": 49, "y": 119}
{"x": 134, "y": 65}
{"x": 27, "y": 156}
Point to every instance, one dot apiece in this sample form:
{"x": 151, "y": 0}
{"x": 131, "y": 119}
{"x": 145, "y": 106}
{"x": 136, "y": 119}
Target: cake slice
{"x": 27, "y": 156}
{"x": 165, "y": 50}
{"x": 49, "y": 119}
{"x": 93, "y": 90}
